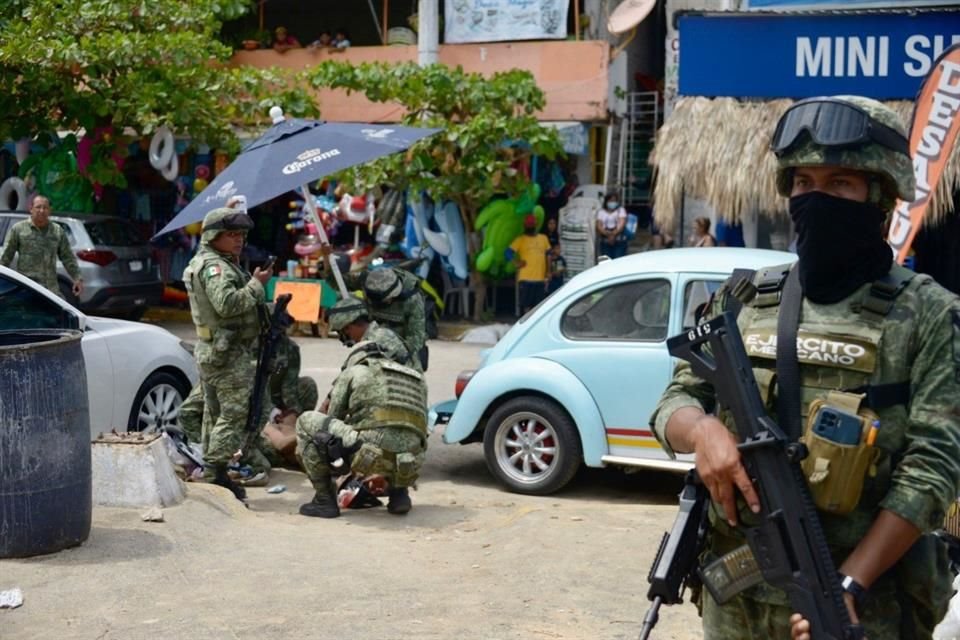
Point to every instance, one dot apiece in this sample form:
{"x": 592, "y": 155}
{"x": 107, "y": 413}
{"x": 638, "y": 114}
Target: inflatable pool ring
{"x": 161, "y": 148}
{"x": 449, "y": 220}
{"x": 16, "y": 188}
{"x": 172, "y": 170}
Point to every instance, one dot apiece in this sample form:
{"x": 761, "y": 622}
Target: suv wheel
{"x": 532, "y": 446}
{"x": 157, "y": 404}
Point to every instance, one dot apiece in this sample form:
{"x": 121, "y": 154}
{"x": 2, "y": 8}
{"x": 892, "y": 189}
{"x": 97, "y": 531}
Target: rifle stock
{"x": 788, "y": 544}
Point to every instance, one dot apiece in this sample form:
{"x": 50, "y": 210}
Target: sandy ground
{"x": 470, "y": 560}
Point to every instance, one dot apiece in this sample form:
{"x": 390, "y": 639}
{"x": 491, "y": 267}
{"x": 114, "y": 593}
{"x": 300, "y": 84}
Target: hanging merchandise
{"x": 54, "y": 173}
{"x": 162, "y": 154}
{"x": 502, "y": 222}
{"x": 13, "y": 194}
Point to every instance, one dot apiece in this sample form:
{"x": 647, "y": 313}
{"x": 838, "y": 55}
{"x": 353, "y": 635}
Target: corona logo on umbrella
{"x": 307, "y": 158}
{"x": 225, "y": 191}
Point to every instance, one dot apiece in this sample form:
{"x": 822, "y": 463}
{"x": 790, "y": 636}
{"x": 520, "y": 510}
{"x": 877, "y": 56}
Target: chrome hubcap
{"x": 526, "y": 447}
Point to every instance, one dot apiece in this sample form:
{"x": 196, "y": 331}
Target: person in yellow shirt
{"x": 529, "y": 252}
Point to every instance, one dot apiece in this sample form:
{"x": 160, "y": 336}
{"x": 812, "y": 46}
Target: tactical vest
{"x": 205, "y": 318}
{"x": 399, "y": 396}
{"x": 858, "y": 345}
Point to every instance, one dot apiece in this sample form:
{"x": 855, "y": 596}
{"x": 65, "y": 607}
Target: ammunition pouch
{"x": 368, "y": 459}
{"x": 407, "y": 470}
{"x": 836, "y": 467}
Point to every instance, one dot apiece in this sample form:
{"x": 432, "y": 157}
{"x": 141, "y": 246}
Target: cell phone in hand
{"x": 268, "y": 265}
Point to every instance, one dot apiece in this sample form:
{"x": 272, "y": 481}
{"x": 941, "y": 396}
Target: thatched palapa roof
{"x": 717, "y": 150}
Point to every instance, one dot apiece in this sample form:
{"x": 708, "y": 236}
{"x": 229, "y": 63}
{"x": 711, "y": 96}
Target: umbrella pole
{"x": 311, "y": 207}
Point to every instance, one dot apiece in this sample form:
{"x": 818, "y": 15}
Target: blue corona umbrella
{"x": 290, "y": 155}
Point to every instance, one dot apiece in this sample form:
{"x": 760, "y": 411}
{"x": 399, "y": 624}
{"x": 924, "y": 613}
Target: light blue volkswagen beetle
{"x": 577, "y": 378}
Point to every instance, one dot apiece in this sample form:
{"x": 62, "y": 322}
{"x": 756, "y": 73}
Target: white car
{"x": 138, "y": 375}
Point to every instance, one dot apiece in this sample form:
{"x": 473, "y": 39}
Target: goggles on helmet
{"x": 232, "y": 222}
{"x": 833, "y": 123}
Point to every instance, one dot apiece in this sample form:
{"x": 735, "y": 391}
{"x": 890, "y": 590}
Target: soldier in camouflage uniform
{"x": 395, "y": 301}
{"x": 350, "y": 318}
{"x": 376, "y": 419}
{"x": 39, "y": 244}
{"x": 288, "y": 391}
{"x": 228, "y": 307}
{"x": 866, "y": 326}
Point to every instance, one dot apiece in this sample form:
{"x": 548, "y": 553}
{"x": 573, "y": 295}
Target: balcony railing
{"x": 573, "y": 74}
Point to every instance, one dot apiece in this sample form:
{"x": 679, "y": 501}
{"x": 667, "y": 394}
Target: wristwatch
{"x": 854, "y": 588}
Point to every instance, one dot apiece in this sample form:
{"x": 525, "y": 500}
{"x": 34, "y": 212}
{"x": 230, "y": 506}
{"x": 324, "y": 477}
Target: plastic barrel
{"x": 45, "y": 479}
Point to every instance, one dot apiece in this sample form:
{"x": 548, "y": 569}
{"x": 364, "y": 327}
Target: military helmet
{"x": 345, "y": 312}
{"x": 224, "y": 219}
{"x": 846, "y": 131}
{"x": 382, "y": 286}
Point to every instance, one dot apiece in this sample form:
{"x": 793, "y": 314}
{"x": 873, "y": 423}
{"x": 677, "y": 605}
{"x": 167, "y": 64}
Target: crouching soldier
{"x": 376, "y": 424}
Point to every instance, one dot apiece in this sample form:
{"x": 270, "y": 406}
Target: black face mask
{"x": 840, "y": 244}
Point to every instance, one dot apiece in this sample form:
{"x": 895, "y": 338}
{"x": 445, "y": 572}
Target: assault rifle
{"x": 269, "y": 338}
{"x": 787, "y": 548}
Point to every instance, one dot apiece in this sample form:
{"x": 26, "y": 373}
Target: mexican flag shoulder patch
{"x": 213, "y": 271}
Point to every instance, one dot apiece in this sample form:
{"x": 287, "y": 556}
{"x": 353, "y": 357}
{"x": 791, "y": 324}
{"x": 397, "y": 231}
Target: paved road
{"x": 470, "y": 560}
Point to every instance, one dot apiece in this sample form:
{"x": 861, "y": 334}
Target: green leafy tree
{"x": 489, "y": 124}
{"x": 131, "y": 65}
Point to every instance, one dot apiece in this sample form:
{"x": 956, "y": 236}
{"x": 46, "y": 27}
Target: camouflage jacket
{"x": 405, "y": 316}
{"x": 843, "y": 346}
{"x": 391, "y": 345}
{"x": 227, "y": 304}
{"x": 38, "y": 250}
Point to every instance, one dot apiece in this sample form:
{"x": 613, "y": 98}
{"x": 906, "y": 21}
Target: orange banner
{"x": 933, "y": 133}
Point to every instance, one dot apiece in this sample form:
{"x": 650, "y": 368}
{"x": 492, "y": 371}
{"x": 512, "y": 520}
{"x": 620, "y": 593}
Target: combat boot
{"x": 399, "y": 501}
{"x": 221, "y": 478}
{"x": 324, "y": 503}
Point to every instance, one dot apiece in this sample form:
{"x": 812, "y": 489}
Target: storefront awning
{"x": 717, "y": 150}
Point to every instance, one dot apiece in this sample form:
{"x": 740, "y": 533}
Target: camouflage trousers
{"x": 903, "y": 604}
{"x": 308, "y": 395}
{"x": 259, "y": 457}
{"x": 396, "y": 453}
{"x": 226, "y": 394}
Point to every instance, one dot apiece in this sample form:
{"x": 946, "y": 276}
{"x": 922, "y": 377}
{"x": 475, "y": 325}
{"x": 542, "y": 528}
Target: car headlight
{"x": 187, "y": 346}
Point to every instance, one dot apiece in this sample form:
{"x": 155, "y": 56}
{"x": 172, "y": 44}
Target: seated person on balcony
{"x": 283, "y": 41}
{"x": 341, "y": 39}
{"x": 325, "y": 41}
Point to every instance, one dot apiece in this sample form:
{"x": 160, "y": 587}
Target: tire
{"x": 157, "y": 403}
{"x": 557, "y": 448}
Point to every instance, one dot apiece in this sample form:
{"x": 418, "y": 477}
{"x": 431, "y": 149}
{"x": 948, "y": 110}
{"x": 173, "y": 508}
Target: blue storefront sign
{"x": 883, "y": 55}
{"x": 842, "y": 4}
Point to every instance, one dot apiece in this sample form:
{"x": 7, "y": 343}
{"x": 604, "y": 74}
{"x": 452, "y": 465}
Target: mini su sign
{"x": 933, "y": 133}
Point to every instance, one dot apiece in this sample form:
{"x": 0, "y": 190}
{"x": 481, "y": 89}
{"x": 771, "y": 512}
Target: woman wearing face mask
{"x": 611, "y": 219}
{"x": 843, "y": 162}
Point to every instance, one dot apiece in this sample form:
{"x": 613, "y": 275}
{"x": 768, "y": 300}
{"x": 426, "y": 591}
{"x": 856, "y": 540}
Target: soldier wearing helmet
{"x": 374, "y": 420}
{"x": 875, "y": 341}
{"x": 227, "y": 305}
{"x": 350, "y": 318}
{"x": 394, "y": 299}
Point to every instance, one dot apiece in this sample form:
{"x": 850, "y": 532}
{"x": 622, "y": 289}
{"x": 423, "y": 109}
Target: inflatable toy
{"x": 161, "y": 148}
{"x": 13, "y": 194}
{"x": 502, "y": 222}
{"x": 193, "y": 229}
